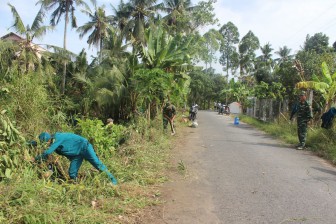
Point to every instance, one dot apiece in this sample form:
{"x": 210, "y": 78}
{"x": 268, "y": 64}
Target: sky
{"x": 277, "y": 22}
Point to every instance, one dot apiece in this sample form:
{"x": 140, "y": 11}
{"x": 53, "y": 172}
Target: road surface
{"x": 236, "y": 174}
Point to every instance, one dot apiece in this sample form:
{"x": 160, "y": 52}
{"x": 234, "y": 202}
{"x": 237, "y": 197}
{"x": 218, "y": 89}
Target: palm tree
{"x": 142, "y": 11}
{"x": 284, "y": 53}
{"x": 99, "y": 24}
{"x": 266, "y": 55}
{"x": 176, "y": 10}
{"x": 29, "y": 54}
{"x": 66, "y": 8}
{"x": 121, "y": 18}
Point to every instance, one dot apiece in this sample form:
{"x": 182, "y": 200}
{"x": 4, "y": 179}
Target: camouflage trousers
{"x": 165, "y": 124}
{"x": 302, "y": 131}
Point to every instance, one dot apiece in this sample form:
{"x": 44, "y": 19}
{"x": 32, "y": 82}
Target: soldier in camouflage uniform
{"x": 169, "y": 113}
{"x": 304, "y": 114}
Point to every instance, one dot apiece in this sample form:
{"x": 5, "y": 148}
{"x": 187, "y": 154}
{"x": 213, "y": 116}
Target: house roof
{"x": 12, "y": 36}
{"x": 16, "y": 38}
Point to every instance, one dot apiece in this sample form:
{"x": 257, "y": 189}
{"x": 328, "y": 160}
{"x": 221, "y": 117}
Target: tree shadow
{"x": 332, "y": 172}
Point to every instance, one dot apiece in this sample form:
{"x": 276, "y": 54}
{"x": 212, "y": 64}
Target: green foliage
{"x": 326, "y": 85}
{"x": 229, "y": 58}
{"x": 10, "y": 154}
{"x": 27, "y": 103}
{"x": 8, "y": 133}
{"x": 105, "y": 139}
{"x": 181, "y": 167}
{"x": 29, "y": 54}
{"x": 318, "y": 43}
{"x": 266, "y": 91}
{"x": 152, "y": 86}
{"x": 32, "y": 198}
{"x": 319, "y": 140}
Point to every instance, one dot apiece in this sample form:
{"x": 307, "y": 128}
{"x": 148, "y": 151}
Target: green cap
{"x": 302, "y": 93}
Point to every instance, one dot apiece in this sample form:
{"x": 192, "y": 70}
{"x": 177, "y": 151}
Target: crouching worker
{"x": 75, "y": 148}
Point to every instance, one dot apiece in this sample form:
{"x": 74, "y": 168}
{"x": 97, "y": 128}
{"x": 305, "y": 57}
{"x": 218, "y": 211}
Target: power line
{"x": 298, "y": 31}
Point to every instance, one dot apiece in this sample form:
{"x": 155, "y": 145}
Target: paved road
{"x": 239, "y": 175}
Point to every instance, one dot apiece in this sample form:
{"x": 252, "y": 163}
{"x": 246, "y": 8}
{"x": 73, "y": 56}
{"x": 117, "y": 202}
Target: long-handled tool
{"x": 171, "y": 122}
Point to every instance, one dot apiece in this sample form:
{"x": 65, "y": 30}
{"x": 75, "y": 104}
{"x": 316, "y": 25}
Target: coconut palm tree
{"x": 284, "y": 54}
{"x": 176, "y": 10}
{"x": 66, "y": 8}
{"x": 266, "y": 55}
{"x": 121, "y": 18}
{"x": 141, "y": 12}
{"x": 29, "y": 54}
{"x": 98, "y": 25}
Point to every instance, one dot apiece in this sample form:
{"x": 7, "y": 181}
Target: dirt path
{"x": 185, "y": 194}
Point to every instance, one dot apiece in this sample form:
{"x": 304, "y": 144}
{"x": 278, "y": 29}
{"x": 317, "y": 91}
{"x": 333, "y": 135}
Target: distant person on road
{"x": 168, "y": 114}
{"x": 304, "y": 114}
{"x": 193, "y": 112}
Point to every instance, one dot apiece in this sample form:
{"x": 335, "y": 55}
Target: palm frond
{"x": 326, "y": 73}
{"x": 42, "y": 31}
{"x": 18, "y": 24}
{"x": 38, "y": 21}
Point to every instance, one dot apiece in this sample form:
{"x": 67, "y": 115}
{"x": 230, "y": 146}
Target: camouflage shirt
{"x": 169, "y": 110}
{"x": 304, "y": 112}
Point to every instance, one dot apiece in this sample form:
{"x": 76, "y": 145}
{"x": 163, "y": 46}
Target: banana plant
{"x": 8, "y": 133}
{"x": 325, "y": 85}
{"x": 163, "y": 51}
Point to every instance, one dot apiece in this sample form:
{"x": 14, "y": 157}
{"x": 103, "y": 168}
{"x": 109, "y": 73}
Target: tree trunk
{"x": 64, "y": 46}
{"x": 149, "y": 113}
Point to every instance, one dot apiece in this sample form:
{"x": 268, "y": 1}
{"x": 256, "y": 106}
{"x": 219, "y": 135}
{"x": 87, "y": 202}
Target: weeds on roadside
{"x": 181, "y": 167}
{"x": 137, "y": 164}
{"x": 319, "y": 140}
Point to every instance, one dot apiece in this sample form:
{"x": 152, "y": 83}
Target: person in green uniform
{"x": 168, "y": 114}
{"x": 74, "y": 147}
{"x": 304, "y": 114}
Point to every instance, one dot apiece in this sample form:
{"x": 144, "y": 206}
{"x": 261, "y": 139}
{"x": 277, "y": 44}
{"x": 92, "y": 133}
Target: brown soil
{"x": 185, "y": 197}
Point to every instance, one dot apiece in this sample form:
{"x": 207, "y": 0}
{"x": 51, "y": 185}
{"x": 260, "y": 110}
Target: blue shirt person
{"x": 74, "y": 147}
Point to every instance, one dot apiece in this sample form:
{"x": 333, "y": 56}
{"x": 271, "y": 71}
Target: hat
{"x": 44, "y": 137}
{"x": 302, "y": 93}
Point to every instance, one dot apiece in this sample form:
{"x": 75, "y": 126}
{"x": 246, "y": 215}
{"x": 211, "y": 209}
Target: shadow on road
{"x": 325, "y": 170}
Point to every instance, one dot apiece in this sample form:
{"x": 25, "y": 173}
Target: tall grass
{"x": 138, "y": 164}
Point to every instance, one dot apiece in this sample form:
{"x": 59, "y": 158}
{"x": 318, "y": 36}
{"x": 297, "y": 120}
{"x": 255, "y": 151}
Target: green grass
{"x": 319, "y": 140}
{"x": 139, "y": 165}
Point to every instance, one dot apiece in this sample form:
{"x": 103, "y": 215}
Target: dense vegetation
{"x": 147, "y": 53}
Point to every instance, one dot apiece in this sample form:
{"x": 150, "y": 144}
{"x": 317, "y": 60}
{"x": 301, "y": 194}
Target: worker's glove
{"x": 114, "y": 181}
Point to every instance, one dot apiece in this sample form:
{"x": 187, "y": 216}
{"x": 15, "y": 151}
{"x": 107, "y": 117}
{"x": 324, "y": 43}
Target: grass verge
{"x": 319, "y": 140}
{"x": 139, "y": 165}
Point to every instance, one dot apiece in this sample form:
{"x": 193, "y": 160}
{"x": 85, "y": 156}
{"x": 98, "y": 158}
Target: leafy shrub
{"x": 105, "y": 139}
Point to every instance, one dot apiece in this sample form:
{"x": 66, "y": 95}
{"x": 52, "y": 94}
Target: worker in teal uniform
{"x": 74, "y": 147}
